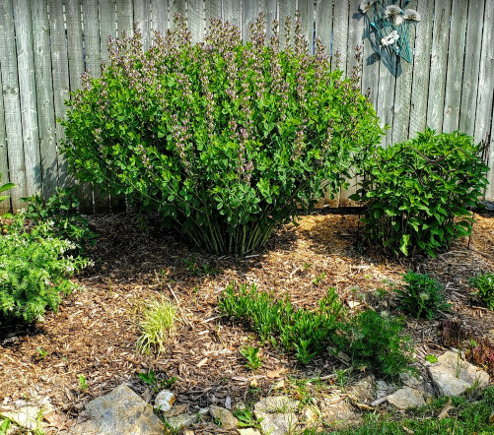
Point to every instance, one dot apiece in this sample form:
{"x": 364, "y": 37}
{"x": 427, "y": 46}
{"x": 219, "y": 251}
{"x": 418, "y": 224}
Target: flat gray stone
{"x": 277, "y": 415}
{"x": 452, "y": 376}
{"x": 248, "y": 431}
{"x": 119, "y": 412}
{"x": 228, "y": 421}
{"x": 364, "y": 389}
{"x": 276, "y": 404}
{"x": 337, "y": 413}
{"x": 406, "y": 398}
{"x": 181, "y": 421}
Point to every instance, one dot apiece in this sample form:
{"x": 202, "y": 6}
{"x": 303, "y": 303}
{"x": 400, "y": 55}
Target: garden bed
{"x": 94, "y": 332}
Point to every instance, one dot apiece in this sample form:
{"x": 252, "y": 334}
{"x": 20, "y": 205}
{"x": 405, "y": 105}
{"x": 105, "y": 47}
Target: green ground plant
{"x": 422, "y": 296}
{"x": 251, "y": 354}
{"x": 157, "y": 325}
{"x": 375, "y": 342}
{"x": 225, "y": 140}
{"x": 419, "y": 192}
{"x": 484, "y": 288}
{"x": 150, "y": 379}
{"x": 62, "y": 210}
{"x": 300, "y": 331}
{"x": 35, "y": 270}
{"x": 5, "y": 187}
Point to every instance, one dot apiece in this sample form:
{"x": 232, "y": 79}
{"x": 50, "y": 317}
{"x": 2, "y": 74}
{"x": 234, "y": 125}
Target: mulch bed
{"x": 94, "y": 332}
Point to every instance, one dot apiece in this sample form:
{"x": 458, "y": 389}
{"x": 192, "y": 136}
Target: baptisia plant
{"x": 225, "y": 140}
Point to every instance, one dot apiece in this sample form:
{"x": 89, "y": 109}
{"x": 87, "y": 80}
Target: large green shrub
{"x": 34, "y": 271}
{"x": 225, "y": 140}
{"x": 418, "y": 192}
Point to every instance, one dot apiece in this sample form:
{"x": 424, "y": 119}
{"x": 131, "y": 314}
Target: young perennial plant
{"x": 225, "y": 140}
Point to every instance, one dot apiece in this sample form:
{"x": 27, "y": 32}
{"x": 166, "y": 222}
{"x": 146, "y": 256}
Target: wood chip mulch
{"x": 94, "y": 331}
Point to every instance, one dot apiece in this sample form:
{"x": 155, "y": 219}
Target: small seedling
{"x": 341, "y": 378}
{"x": 318, "y": 279}
{"x": 306, "y": 266}
{"x": 83, "y": 386}
{"x": 4, "y": 427}
{"x": 431, "y": 359}
{"x": 251, "y": 354}
{"x": 200, "y": 270}
{"x": 246, "y": 418}
{"x": 150, "y": 379}
{"x": 42, "y": 352}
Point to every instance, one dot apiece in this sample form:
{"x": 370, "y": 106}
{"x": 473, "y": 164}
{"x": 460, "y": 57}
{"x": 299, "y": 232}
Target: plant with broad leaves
{"x": 225, "y": 140}
{"x": 4, "y": 187}
{"x": 419, "y": 192}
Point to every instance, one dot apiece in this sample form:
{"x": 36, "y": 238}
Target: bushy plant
{"x": 61, "y": 209}
{"x": 4, "y": 187}
{"x": 484, "y": 288}
{"x": 34, "y": 271}
{"x": 422, "y": 296}
{"x": 376, "y": 342}
{"x": 304, "y": 332}
{"x": 418, "y": 192}
{"x": 225, "y": 140}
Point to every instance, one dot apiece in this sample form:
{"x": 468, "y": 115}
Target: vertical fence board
{"x": 213, "y": 10}
{"x": 125, "y": 17}
{"x": 91, "y": 36}
{"x": 12, "y": 105}
{"x": 340, "y": 35}
{"x": 439, "y": 59}
{"x": 401, "y": 116}
{"x": 27, "y": 88}
{"x": 385, "y": 104}
{"x": 44, "y": 96}
{"x": 306, "y": 8}
{"x": 142, "y": 9}
{"x": 250, "y": 12}
{"x": 159, "y": 13}
{"x": 472, "y": 66}
{"x": 270, "y": 10}
{"x": 421, "y": 67}
{"x": 196, "y": 19}
{"x": 371, "y": 66}
{"x": 324, "y": 23}
{"x": 4, "y": 168}
{"x": 454, "y": 72}
{"x": 107, "y": 27}
{"x": 287, "y": 9}
{"x": 175, "y": 7}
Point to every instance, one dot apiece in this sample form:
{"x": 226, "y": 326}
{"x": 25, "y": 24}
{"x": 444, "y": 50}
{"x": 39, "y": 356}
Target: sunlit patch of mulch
{"x": 94, "y": 331}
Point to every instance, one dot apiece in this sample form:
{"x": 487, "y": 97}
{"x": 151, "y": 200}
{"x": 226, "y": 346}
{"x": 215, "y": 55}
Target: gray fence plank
{"x": 4, "y": 168}
{"x": 196, "y": 19}
{"x": 271, "y": 12}
{"x": 454, "y": 74}
{"x": 142, "y": 12}
{"x": 287, "y": 9}
{"x": 125, "y": 17}
{"x": 340, "y": 35}
{"x": 176, "y": 7}
{"x": 159, "y": 12}
{"x": 472, "y": 66}
{"x": 421, "y": 67}
{"x": 44, "y": 96}
{"x": 27, "y": 88}
{"x": 306, "y": 8}
{"x": 250, "y": 12}
{"x": 107, "y": 26}
{"x": 355, "y": 34}
{"x": 324, "y": 23}
{"x": 12, "y": 104}
{"x": 439, "y": 59}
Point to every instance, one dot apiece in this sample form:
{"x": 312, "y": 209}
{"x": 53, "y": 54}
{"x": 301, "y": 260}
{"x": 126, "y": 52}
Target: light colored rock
{"x": 27, "y": 414}
{"x": 119, "y": 412}
{"x": 248, "y": 431}
{"x": 406, "y": 398}
{"x": 311, "y": 414}
{"x": 176, "y": 410}
{"x": 383, "y": 389}
{"x": 452, "y": 376}
{"x": 336, "y": 412}
{"x": 412, "y": 381}
{"x": 276, "y": 414}
{"x": 364, "y": 389}
{"x": 228, "y": 421}
{"x": 164, "y": 400}
{"x": 181, "y": 421}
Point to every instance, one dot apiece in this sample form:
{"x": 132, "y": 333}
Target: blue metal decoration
{"x": 390, "y": 22}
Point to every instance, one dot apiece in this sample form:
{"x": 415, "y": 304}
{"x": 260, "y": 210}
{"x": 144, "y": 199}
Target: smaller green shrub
{"x": 157, "y": 325}
{"x": 34, "y": 271}
{"x": 301, "y": 331}
{"x": 375, "y": 342}
{"x": 62, "y": 210}
{"x": 418, "y": 192}
{"x": 251, "y": 354}
{"x": 484, "y": 286}
{"x": 422, "y": 296}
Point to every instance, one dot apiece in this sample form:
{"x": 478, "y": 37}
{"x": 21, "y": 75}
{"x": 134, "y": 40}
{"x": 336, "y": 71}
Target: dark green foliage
{"x": 61, "y": 210}
{"x": 484, "y": 288}
{"x": 225, "y": 140}
{"x": 301, "y": 331}
{"x": 422, "y": 296}
{"x": 34, "y": 273}
{"x": 375, "y": 342}
{"x": 418, "y": 192}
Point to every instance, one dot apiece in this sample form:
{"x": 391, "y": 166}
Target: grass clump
{"x": 484, "y": 288}
{"x": 422, "y": 296}
{"x": 157, "y": 326}
{"x": 376, "y": 342}
{"x": 303, "y": 332}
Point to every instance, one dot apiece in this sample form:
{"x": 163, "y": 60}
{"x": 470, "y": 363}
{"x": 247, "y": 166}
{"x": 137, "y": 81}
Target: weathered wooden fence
{"x": 45, "y": 45}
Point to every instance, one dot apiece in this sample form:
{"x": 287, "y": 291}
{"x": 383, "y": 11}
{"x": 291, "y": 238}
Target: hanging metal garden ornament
{"x": 391, "y": 24}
